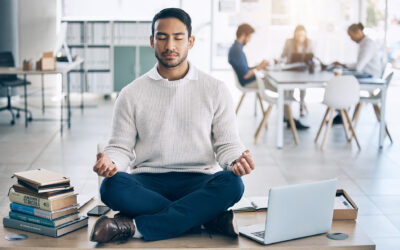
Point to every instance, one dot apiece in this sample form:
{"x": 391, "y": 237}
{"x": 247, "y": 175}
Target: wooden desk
{"x": 290, "y": 80}
{"x": 63, "y": 69}
{"x": 80, "y": 239}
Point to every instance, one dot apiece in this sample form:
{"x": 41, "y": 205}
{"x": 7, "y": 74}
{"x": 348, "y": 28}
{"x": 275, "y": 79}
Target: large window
{"x": 274, "y": 20}
{"x": 393, "y": 33}
{"x": 111, "y": 9}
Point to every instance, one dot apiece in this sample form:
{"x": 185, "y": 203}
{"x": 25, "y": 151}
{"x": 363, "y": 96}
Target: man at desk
{"x": 245, "y": 74}
{"x": 175, "y": 129}
{"x": 238, "y": 60}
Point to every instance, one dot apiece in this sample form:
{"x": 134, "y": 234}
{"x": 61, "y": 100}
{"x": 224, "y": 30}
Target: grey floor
{"x": 370, "y": 176}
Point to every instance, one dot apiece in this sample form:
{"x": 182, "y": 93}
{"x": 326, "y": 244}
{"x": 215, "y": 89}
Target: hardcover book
{"x": 49, "y": 223}
{"x": 44, "y": 189}
{"x": 48, "y": 231}
{"x": 50, "y": 215}
{"x": 42, "y": 178}
{"x": 20, "y": 188}
{"x": 49, "y": 204}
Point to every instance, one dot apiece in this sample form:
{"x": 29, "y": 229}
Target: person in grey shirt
{"x": 368, "y": 59}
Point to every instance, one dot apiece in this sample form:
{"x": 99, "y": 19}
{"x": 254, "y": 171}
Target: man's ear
{"x": 152, "y": 41}
{"x": 191, "y": 41}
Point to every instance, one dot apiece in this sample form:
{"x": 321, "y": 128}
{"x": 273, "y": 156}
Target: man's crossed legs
{"x": 166, "y": 205}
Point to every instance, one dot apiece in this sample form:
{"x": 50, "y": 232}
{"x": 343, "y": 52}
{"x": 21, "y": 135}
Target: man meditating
{"x": 175, "y": 129}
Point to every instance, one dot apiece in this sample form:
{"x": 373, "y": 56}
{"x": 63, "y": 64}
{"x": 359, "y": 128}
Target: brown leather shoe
{"x": 112, "y": 229}
{"x": 223, "y": 224}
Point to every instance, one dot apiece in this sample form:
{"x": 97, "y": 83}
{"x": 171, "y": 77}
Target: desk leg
{"x": 83, "y": 81}
{"x": 279, "y": 118}
{"x": 62, "y": 104}
{"x": 383, "y": 117}
{"x": 68, "y": 101}
{"x": 42, "y": 93}
{"x": 26, "y": 102}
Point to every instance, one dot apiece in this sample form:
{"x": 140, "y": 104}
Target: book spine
{"x": 30, "y": 227}
{"x": 30, "y": 211}
{"x": 32, "y": 219}
{"x": 30, "y": 200}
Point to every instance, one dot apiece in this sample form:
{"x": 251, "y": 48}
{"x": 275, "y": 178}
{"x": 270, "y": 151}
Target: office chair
{"x": 341, "y": 93}
{"x": 9, "y": 82}
{"x": 244, "y": 91}
{"x": 375, "y": 100}
{"x": 272, "y": 100}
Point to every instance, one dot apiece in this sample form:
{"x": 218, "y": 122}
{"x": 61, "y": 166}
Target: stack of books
{"x": 44, "y": 202}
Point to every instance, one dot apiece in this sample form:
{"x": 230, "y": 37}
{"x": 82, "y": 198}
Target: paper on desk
{"x": 342, "y": 203}
{"x": 251, "y": 203}
{"x": 84, "y": 199}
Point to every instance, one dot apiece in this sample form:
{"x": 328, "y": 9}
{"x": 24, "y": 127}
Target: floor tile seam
{"x": 57, "y": 132}
{"x": 388, "y": 219}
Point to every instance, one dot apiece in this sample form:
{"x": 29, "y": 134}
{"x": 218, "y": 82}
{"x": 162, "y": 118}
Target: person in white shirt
{"x": 298, "y": 44}
{"x": 368, "y": 58}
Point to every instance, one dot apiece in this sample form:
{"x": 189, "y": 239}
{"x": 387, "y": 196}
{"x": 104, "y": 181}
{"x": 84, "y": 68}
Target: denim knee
{"x": 110, "y": 186}
{"x": 233, "y": 184}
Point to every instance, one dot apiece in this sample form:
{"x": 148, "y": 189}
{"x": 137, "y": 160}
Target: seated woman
{"x": 298, "y": 44}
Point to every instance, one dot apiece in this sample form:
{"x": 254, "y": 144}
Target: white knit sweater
{"x": 187, "y": 125}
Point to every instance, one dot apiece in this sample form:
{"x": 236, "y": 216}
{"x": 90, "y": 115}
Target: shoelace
{"x": 124, "y": 231}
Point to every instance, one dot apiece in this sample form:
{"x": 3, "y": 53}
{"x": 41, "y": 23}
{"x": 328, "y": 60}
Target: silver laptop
{"x": 295, "y": 211}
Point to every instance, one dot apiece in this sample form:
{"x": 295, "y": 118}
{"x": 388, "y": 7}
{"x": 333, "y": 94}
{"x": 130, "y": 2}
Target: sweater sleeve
{"x": 225, "y": 135}
{"x": 365, "y": 55}
{"x": 120, "y": 147}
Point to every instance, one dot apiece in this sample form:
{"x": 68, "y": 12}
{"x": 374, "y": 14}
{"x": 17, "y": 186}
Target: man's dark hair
{"x": 356, "y": 26}
{"x": 244, "y": 29}
{"x": 176, "y": 13}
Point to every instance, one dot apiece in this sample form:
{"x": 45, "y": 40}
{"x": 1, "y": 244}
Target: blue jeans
{"x": 169, "y": 204}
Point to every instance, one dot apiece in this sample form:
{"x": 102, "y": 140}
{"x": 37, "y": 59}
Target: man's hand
{"x": 338, "y": 64}
{"x": 244, "y": 165}
{"x": 262, "y": 65}
{"x": 104, "y": 166}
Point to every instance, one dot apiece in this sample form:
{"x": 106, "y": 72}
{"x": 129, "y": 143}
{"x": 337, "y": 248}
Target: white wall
{"x": 37, "y": 27}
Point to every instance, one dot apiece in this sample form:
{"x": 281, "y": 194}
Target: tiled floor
{"x": 370, "y": 176}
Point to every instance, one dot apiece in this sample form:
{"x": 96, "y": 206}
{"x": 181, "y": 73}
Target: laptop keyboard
{"x": 260, "y": 234}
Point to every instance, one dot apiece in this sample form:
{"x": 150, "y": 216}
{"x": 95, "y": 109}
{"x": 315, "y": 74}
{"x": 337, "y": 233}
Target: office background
{"x": 371, "y": 176}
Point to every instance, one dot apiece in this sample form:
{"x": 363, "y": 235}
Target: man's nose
{"x": 170, "y": 44}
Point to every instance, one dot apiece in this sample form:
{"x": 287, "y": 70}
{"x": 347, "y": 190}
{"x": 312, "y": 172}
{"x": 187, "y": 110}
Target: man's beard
{"x": 166, "y": 64}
